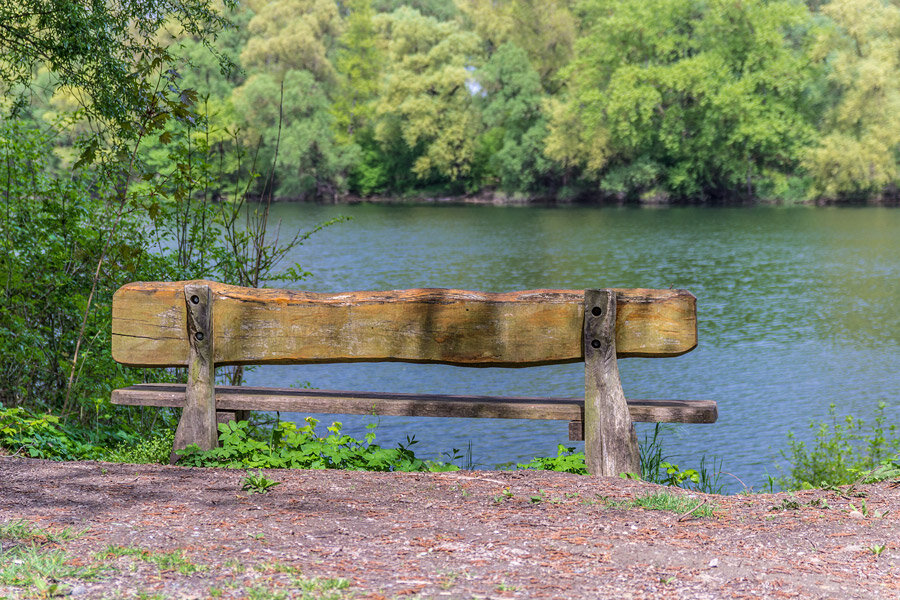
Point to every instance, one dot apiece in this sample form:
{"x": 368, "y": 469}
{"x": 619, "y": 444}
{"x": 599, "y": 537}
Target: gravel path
{"x": 150, "y": 531}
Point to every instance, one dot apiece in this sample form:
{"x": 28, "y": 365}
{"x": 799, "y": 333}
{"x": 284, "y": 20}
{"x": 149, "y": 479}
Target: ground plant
{"x": 677, "y": 503}
{"x": 284, "y": 445}
{"x": 257, "y": 483}
{"x": 843, "y": 451}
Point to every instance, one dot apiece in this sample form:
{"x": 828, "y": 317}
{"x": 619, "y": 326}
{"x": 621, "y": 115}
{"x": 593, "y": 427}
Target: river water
{"x": 798, "y": 308}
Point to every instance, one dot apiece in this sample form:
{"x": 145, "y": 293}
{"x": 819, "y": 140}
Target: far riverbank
{"x": 498, "y": 198}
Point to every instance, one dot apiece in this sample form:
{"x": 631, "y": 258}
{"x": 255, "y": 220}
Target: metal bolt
{"x": 198, "y": 336}
{"x": 595, "y": 343}
{"x": 596, "y": 311}
{"x": 195, "y": 299}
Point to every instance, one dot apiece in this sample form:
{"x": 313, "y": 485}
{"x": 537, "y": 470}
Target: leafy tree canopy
{"x": 106, "y": 50}
{"x": 293, "y": 34}
{"x": 545, "y": 29}
{"x": 427, "y": 100}
{"x": 686, "y": 97}
{"x": 858, "y": 154}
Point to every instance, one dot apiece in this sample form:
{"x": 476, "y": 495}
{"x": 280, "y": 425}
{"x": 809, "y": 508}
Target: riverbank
{"x": 499, "y": 198}
{"x": 165, "y": 532}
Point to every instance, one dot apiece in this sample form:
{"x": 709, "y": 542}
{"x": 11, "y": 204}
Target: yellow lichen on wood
{"x": 264, "y": 326}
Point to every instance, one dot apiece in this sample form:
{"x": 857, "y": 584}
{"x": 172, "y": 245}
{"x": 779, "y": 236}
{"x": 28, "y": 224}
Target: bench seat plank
{"x": 515, "y": 329}
{"x": 229, "y": 398}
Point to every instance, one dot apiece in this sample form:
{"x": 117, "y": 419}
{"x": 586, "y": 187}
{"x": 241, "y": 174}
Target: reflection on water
{"x": 798, "y": 308}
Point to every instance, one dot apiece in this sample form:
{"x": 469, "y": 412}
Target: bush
{"x": 59, "y": 255}
{"x": 154, "y": 450}
{"x": 242, "y": 445}
{"x": 43, "y": 436}
{"x": 565, "y": 461}
{"x": 841, "y": 452}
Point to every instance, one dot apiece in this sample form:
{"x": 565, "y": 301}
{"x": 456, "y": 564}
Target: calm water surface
{"x": 798, "y": 308}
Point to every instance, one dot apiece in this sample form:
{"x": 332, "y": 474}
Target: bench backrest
{"x": 516, "y": 329}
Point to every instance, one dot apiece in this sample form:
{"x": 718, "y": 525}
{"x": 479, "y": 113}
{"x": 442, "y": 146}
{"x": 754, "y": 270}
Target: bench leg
{"x": 610, "y": 442}
{"x": 198, "y": 418}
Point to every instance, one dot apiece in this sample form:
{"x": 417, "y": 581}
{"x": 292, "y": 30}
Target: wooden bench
{"x": 204, "y": 324}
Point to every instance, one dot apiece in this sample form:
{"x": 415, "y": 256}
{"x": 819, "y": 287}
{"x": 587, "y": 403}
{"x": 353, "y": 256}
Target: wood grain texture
{"x": 232, "y": 398}
{"x": 198, "y": 419}
{"x": 610, "y": 443}
{"x": 263, "y": 326}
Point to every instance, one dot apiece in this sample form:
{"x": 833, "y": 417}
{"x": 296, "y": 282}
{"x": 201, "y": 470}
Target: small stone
{"x": 714, "y": 563}
{"x": 855, "y": 514}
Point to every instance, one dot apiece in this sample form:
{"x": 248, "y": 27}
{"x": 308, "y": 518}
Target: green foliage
{"x": 287, "y": 446}
{"x": 114, "y": 436}
{"x": 50, "y": 244}
{"x": 708, "y": 95}
{"x": 44, "y": 437}
{"x": 108, "y": 51}
{"x": 656, "y": 467}
{"x": 642, "y": 101}
{"x": 426, "y": 103}
{"x": 292, "y": 35}
{"x": 294, "y": 130}
{"x": 669, "y": 502}
{"x": 857, "y": 157}
{"x": 843, "y": 451}
{"x": 887, "y": 470}
{"x": 565, "y": 461}
{"x": 153, "y": 449}
{"x": 359, "y": 63}
{"x": 514, "y": 140}
{"x": 439, "y": 9}
{"x": 544, "y": 29}
{"x": 257, "y": 483}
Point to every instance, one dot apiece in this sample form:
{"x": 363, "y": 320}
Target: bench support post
{"x": 198, "y": 418}
{"x": 610, "y": 442}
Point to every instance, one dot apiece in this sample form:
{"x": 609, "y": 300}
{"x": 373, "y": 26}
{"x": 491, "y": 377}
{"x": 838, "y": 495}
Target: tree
{"x": 516, "y": 124}
{"x": 81, "y": 230}
{"x": 295, "y": 133}
{"x": 427, "y": 102}
{"x": 545, "y": 29}
{"x": 293, "y": 35}
{"x": 109, "y": 51}
{"x": 858, "y": 154}
{"x": 442, "y": 10}
{"x": 685, "y": 97}
{"x": 359, "y": 63}
{"x": 285, "y": 104}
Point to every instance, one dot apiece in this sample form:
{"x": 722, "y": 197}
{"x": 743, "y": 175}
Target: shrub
{"x": 153, "y": 450}
{"x": 42, "y": 437}
{"x": 565, "y": 461}
{"x": 842, "y": 450}
{"x": 244, "y": 446}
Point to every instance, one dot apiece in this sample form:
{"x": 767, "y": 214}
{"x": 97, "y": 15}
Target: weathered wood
{"x": 261, "y": 326}
{"x": 236, "y": 398}
{"x": 223, "y": 416}
{"x": 198, "y": 418}
{"x": 610, "y": 443}
{"x": 660, "y": 411}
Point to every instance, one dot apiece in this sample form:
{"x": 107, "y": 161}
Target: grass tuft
{"x": 666, "y": 501}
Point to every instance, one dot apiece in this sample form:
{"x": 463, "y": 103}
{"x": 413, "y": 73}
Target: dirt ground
{"x": 484, "y": 534}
